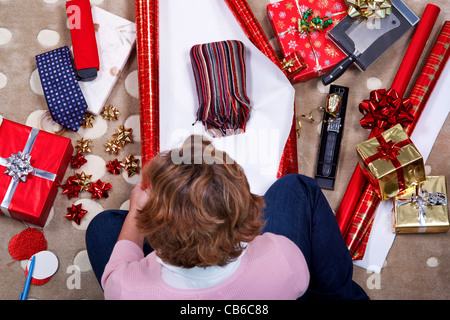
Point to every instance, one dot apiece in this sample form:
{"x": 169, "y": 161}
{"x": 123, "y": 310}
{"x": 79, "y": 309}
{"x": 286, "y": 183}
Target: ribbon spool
{"x": 45, "y": 267}
{"x": 48, "y": 124}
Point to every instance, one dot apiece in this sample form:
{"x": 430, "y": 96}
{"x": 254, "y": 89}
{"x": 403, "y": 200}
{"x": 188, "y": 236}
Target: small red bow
{"x": 388, "y": 150}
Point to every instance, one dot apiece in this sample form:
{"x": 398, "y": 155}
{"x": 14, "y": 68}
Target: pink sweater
{"x": 272, "y": 268}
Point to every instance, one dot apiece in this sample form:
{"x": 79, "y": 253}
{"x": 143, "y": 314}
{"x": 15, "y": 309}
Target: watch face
{"x": 334, "y": 126}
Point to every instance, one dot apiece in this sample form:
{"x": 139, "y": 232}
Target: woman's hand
{"x": 138, "y": 199}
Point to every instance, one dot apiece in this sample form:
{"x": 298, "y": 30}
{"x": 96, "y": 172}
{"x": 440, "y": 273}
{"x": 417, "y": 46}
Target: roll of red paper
{"x": 147, "y": 33}
{"x": 147, "y": 46}
{"x": 82, "y": 31}
{"x": 357, "y": 182}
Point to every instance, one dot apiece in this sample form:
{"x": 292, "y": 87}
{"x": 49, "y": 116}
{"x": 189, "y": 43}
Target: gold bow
{"x": 287, "y": 64}
{"x": 369, "y": 8}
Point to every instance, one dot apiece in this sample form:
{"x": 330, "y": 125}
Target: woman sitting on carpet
{"x": 195, "y": 231}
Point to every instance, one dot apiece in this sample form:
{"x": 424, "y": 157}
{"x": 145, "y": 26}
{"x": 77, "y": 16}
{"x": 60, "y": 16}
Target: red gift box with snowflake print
{"x": 306, "y": 33}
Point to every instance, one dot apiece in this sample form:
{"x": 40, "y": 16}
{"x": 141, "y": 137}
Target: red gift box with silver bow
{"x": 319, "y": 53}
{"x": 31, "y": 163}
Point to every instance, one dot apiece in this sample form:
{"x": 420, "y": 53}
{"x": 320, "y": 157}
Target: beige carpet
{"x": 416, "y": 267}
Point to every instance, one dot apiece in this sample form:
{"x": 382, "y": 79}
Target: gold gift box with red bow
{"x": 391, "y": 162}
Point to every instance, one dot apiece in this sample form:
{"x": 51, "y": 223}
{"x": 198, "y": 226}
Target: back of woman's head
{"x": 200, "y": 210}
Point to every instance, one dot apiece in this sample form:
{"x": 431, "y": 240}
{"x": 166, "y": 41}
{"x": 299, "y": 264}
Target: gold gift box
{"x": 435, "y": 218}
{"x": 382, "y": 173}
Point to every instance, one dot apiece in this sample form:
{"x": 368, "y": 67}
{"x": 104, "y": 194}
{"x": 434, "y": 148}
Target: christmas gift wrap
{"x": 430, "y": 99}
{"x": 391, "y": 162}
{"x": 31, "y": 163}
{"x": 422, "y": 208}
{"x": 302, "y": 26}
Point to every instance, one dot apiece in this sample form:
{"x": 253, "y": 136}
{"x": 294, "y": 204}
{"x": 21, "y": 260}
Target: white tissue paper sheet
{"x": 116, "y": 38}
{"x": 425, "y": 133}
{"x": 183, "y": 24}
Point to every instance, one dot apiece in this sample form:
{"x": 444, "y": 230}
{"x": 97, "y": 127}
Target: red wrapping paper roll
{"x": 361, "y": 224}
{"x": 147, "y": 33}
{"x": 147, "y": 43}
{"x": 82, "y": 31}
{"x": 357, "y": 182}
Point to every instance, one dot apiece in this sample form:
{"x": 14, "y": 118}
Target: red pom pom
{"x": 27, "y": 243}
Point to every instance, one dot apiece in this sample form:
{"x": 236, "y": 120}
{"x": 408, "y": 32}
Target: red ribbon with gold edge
{"x": 147, "y": 33}
{"x": 359, "y": 228}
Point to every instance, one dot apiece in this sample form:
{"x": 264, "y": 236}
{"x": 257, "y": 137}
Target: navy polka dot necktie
{"x": 62, "y": 92}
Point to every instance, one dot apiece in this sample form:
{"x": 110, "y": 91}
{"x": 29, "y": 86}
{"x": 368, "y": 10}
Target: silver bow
{"x": 422, "y": 198}
{"x": 18, "y": 166}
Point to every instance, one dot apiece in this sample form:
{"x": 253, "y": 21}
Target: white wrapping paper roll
{"x": 184, "y": 24}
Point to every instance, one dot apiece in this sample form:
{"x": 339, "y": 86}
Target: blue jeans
{"x": 297, "y": 209}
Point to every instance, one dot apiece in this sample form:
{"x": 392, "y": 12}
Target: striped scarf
{"x": 219, "y": 71}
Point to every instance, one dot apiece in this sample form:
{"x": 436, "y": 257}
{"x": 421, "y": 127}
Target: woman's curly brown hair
{"x": 200, "y": 210}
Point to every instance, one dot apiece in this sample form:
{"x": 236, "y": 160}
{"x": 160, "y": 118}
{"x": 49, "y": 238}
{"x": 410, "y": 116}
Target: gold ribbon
{"x": 369, "y": 9}
{"x": 332, "y": 108}
{"x": 288, "y": 64}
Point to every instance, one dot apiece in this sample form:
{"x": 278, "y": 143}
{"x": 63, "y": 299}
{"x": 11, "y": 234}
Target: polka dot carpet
{"x": 21, "y": 39}
{"x": 416, "y": 267}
